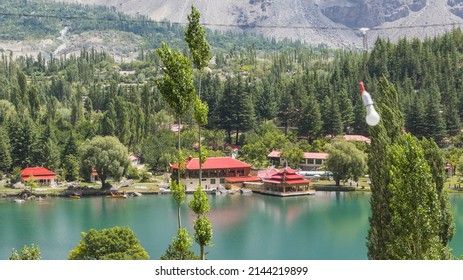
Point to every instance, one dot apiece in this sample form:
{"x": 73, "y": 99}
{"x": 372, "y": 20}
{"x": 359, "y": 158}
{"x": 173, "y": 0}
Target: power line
{"x": 132, "y": 20}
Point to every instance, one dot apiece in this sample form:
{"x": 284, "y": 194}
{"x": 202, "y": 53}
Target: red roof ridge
{"x": 28, "y": 171}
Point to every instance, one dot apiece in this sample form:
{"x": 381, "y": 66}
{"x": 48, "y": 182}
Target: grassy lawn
{"x": 453, "y": 181}
{"x": 363, "y": 184}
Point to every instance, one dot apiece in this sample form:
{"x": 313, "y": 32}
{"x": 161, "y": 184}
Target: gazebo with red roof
{"x": 285, "y": 182}
{"x": 215, "y": 171}
{"x": 42, "y": 175}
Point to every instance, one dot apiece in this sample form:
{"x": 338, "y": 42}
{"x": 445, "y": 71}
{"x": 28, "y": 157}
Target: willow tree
{"x": 195, "y": 36}
{"x": 177, "y": 88}
{"x": 402, "y": 192}
{"x": 107, "y": 156}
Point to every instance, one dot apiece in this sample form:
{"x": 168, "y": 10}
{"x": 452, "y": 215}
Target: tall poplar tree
{"x": 202, "y": 225}
{"x": 177, "y": 88}
{"x": 409, "y": 219}
{"x": 195, "y": 36}
{"x": 415, "y": 205}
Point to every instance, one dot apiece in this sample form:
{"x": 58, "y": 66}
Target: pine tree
{"x": 22, "y": 138}
{"x": 236, "y": 111}
{"x": 5, "y": 155}
{"x": 435, "y": 124}
{"x": 266, "y": 103}
{"x": 346, "y": 109}
{"x": 108, "y": 122}
{"x": 310, "y": 123}
{"x": 46, "y": 152}
{"x": 414, "y": 121}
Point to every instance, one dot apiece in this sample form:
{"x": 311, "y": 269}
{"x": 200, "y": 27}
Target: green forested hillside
{"x": 49, "y": 106}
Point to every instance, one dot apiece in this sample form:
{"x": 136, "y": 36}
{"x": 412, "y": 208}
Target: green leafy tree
{"x": 107, "y": 156}
{"x": 345, "y": 161}
{"x": 195, "y": 36}
{"x": 176, "y": 84}
{"x": 159, "y": 149}
{"x": 385, "y": 134}
{"x": 27, "y": 253}
{"x": 180, "y": 249}
{"x": 292, "y": 154}
{"x": 435, "y": 159}
{"x": 202, "y": 225}
{"x": 406, "y": 185}
{"x": 117, "y": 243}
{"x": 7, "y": 112}
{"x": 178, "y": 193}
{"x": 255, "y": 154}
{"x": 415, "y": 205}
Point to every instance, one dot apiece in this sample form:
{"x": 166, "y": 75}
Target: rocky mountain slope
{"x": 331, "y": 22}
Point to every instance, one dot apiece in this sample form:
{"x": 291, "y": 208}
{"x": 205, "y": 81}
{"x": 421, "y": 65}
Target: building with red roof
{"x": 357, "y": 138}
{"x": 310, "y": 162}
{"x": 285, "y": 182}
{"x": 42, "y": 175}
{"x": 215, "y": 171}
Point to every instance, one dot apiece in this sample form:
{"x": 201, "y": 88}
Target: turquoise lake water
{"x": 325, "y": 226}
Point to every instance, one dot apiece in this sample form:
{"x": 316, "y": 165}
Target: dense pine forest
{"x": 262, "y": 94}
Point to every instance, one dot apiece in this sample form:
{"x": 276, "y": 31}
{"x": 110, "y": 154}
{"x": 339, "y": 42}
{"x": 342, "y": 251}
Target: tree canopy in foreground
{"x": 117, "y": 243}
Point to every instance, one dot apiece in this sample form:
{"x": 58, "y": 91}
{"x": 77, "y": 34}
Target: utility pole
{"x": 364, "y": 31}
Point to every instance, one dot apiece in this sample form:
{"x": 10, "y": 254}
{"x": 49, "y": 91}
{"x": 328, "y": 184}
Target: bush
{"x": 117, "y": 243}
{"x": 133, "y": 173}
{"x": 146, "y": 177}
{"x": 27, "y": 253}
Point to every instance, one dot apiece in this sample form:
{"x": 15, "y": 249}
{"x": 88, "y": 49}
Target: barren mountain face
{"x": 368, "y": 13}
{"x": 331, "y": 22}
{"x": 456, "y": 7}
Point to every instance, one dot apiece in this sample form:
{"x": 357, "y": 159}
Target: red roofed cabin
{"x": 215, "y": 172}
{"x": 42, "y": 175}
{"x": 285, "y": 182}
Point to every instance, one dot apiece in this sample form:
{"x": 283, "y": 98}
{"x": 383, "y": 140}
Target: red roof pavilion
{"x": 286, "y": 176}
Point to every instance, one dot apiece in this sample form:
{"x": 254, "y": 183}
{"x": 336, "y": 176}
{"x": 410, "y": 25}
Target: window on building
{"x": 193, "y": 174}
{"x": 310, "y": 161}
{"x": 222, "y": 173}
{"x": 318, "y": 161}
{"x": 222, "y": 180}
{"x": 212, "y": 181}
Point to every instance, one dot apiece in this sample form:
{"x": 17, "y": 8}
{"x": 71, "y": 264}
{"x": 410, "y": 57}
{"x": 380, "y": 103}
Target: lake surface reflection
{"x": 325, "y": 226}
